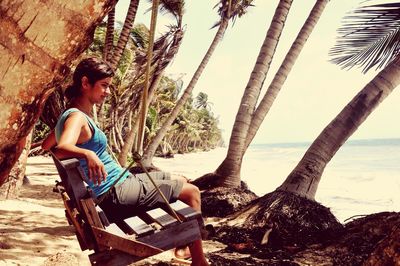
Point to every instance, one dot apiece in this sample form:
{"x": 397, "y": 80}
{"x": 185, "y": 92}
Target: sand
{"x": 34, "y": 230}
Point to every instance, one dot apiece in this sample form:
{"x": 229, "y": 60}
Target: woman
{"x": 76, "y": 135}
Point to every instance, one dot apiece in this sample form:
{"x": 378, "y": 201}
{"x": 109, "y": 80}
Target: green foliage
{"x": 195, "y": 128}
{"x": 40, "y": 131}
{"x": 231, "y": 9}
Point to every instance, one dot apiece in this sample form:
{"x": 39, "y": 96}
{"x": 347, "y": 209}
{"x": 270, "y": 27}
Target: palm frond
{"x": 232, "y": 10}
{"x": 369, "y": 36}
{"x": 140, "y": 36}
{"x": 173, "y": 7}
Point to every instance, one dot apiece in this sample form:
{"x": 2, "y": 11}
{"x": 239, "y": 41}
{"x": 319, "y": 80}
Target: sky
{"x": 315, "y": 90}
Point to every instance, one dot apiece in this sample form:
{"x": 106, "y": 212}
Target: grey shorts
{"x": 137, "y": 194}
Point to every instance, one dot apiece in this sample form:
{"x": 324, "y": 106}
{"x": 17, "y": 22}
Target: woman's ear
{"x": 85, "y": 83}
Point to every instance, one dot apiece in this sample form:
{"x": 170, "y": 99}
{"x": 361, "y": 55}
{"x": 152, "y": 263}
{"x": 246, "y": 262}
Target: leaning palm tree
{"x": 228, "y": 172}
{"x": 168, "y": 46}
{"x": 370, "y": 37}
{"x": 125, "y": 32}
{"x": 284, "y": 70}
{"x": 228, "y": 9}
{"x": 248, "y": 119}
{"x": 109, "y": 38}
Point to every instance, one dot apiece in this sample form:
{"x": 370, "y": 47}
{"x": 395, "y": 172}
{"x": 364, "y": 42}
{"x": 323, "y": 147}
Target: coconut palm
{"x": 369, "y": 37}
{"x": 228, "y": 172}
{"x": 202, "y": 100}
{"x": 124, "y": 36}
{"x": 109, "y": 38}
{"x": 168, "y": 45}
{"x": 228, "y": 10}
{"x": 284, "y": 70}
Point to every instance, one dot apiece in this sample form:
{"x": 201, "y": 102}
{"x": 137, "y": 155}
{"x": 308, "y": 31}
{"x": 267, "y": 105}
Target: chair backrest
{"x": 71, "y": 174}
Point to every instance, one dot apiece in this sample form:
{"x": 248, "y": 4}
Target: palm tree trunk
{"x": 109, "y": 41}
{"x": 230, "y": 167}
{"x": 124, "y": 36}
{"x": 144, "y": 102}
{"x": 284, "y": 70}
{"x": 35, "y": 58}
{"x": 305, "y": 177}
{"x": 107, "y": 54}
{"x": 128, "y": 144}
{"x": 155, "y": 142}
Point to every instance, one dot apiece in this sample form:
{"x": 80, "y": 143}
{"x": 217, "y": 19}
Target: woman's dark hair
{"x": 94, "y": 69}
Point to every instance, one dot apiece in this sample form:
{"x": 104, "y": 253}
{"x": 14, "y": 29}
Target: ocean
{"x": 362, "y": 178}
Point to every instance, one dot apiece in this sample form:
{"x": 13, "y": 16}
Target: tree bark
{"x": 109, "y": 41}
{"x": 230, "y": 167}
{"x": 284, "y": 70}
{"x": 10, "y": 189}
{"x": 305, "y": 177}
{"x": 124, "y": 36}
{"x": 35, "y": 57}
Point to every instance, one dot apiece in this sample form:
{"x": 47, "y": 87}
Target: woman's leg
{"x": 190, "y": 194}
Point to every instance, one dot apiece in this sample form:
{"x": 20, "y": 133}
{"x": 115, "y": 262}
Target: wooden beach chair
{"x": 124, "y": 241}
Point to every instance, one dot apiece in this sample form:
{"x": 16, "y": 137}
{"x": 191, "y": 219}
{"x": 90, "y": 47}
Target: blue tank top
{"x": 97, "y": 144}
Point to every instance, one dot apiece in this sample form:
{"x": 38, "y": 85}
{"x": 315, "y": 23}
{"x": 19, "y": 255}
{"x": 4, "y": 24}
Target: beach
{"x": 362, "y": 179}
{"x": 34, "y": 230}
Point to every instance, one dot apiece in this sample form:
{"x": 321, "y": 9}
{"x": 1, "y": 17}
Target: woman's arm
{"x": 66, "y": 147}
{"x": 50, "y": 141}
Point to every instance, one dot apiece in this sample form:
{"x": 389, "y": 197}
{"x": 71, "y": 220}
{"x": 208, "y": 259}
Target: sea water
{"x": 362, "y": 178}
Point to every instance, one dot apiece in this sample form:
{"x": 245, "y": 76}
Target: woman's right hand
{"x": 97, "y": 172}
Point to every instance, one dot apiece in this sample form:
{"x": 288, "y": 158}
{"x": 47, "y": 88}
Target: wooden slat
{"x": 162, "y": 218}
{"x": 138, "y": 227}
{"x": 71, "y": 177}
{"x": 185, "y": 210}
{"x": 93, "y": 219}
{"x": 72, "y": 216}
{"x": 91, "y": 213}
{"x": 125, "y": 244}
{"x": 70, "y": 163}
{"x": 114, "y": 229}
{"x": 103, "y": 217}
{"x": 178, "y": 235}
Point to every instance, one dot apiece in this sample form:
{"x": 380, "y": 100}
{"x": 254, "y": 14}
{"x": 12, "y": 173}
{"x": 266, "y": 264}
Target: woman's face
{"x": 100, "y": 90}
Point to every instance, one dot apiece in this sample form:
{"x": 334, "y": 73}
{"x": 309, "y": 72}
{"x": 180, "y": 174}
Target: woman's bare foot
{"x": 182, "y": 252}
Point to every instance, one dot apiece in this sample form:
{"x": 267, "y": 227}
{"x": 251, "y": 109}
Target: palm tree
{"x": 168, "y": 51}
{"x": 124, "y": 36}
{"x": 35, "y": 71}
{"x": 144, "y": 101}
{"x": 202, "y": 100}
{"x": 228, "y": 172}
{"x": 109, "y": 38}
{"x": 370, "y": 37}
{"x": 283, "y": 71}
{"x": 228, "y": 9}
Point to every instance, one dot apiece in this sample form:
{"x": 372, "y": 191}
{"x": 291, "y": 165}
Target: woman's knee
{"x": 190, "y": 194}
{"x": 192, "y": 190}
